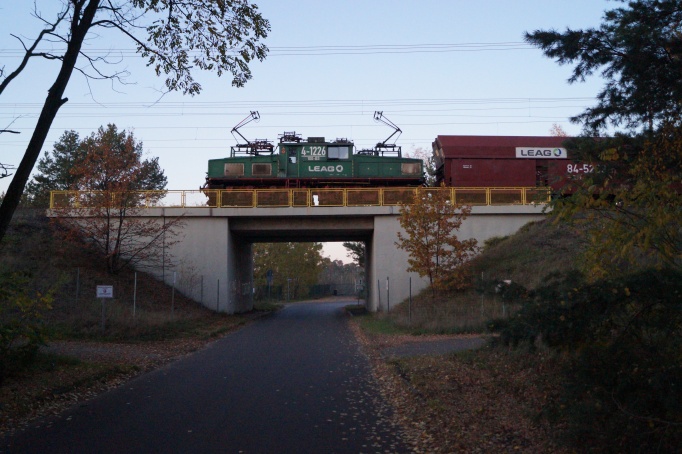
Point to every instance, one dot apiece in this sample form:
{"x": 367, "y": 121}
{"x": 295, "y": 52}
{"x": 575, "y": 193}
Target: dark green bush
{"x": 22, "y": 330}
{"x": 493, "y": 241}
{"x": 622, "y": 342}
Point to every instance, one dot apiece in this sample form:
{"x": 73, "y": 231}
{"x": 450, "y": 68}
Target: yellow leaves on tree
{"x": 431, "y": 222}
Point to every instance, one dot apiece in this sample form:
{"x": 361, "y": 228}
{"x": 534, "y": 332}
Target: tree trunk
{"x": 54, "y": 100}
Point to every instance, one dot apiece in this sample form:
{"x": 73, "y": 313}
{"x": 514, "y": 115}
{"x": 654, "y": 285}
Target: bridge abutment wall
{"x": 389, "y": 282}
{"x": 211, "y": 266}
{"x": 213, "y": 261}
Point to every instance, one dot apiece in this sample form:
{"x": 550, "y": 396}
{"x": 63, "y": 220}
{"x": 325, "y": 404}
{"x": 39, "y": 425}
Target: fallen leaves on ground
{"x": 487, "y": 400}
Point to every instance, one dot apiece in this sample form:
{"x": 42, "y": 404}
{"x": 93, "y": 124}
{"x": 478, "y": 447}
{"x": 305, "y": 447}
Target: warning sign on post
{"x": 105, "y": 291}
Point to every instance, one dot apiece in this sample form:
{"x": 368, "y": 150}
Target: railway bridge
{"x": 217, "y": 236}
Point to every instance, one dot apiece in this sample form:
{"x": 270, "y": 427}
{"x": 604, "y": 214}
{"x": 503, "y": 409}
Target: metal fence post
{"x": 379, "y": 292}
{"x": 173, "y": 294}
{"x": 103, "y": 315}
{"x": 135, "y": 295}
{"x": 78, "y": 283}
{"x": 409, "y": 305}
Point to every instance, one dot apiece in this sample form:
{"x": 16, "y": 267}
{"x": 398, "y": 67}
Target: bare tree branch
{"x": 4, "y": 170}
{"x": 30, "y": 52}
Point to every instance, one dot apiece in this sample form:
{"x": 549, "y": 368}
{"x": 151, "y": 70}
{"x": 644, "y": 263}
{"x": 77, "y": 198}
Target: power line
{"x": 306, "y": 102}
{"x": 346, "y": 108}
{"x": 288, "y": 51}
{"x": 458, "y": 123}
{"x": 474, "y": 113}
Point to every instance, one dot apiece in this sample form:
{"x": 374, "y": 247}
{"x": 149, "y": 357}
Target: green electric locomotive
{"x": 312, "y": 163}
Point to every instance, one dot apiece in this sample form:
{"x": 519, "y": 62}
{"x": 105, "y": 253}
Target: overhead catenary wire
{"x": 292, "y": 51}
{"x": 405, "y": 108}
{"x": 411, "y": 110}
{"x": 307, "y": 102}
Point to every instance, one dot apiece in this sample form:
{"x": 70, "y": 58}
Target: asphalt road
{"x": 295, "y": 382}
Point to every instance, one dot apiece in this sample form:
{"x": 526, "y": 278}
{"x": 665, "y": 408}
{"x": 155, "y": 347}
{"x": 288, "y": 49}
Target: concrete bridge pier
{"x": 240, "y": 275}
{"x": 213, "y": 265}
{"x": 388, "y": 282}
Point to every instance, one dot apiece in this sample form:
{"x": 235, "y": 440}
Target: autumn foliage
{"x": 107, "y": 213}
{"x": 431, "y": 222}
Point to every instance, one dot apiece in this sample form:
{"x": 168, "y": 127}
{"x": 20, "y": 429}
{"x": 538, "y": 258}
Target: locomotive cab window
{"x": 412, "y": 168}
{"x": 234, "y": 170}
{"x": 261, "y": 169}
{"x": 338, "y": 153}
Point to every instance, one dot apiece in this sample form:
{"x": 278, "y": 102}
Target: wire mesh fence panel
{"x": 446, "y": 191}
{"x": 128, "y": 200}
{"x": 93, "y": 199}
{"x": 202, "y": 198}
{"x": 168, "y": 199}
{"x": 363, "y": 197}
{"x": 300, "y": 197}
{"x": 272, "y": 198}
{"x": 236, "y": 198}
{"x": 474, "y": 196}
{"x": 511, "y": 196}
{"x": 327, "y": 197}
{"x": 398, "y": 196}
{"x": 538, "y": 195}
{"x": 63, "y": 199}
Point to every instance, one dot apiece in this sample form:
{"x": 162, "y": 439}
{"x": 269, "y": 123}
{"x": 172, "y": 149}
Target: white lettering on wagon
{"x": 544, "y": 153}
{"x": 338, "y": 168}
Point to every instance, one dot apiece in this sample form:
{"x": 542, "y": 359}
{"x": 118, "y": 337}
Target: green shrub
{"x": 22, "y": 330}
{"x": 622, "y": 343}
{"x": 492, "y": 242}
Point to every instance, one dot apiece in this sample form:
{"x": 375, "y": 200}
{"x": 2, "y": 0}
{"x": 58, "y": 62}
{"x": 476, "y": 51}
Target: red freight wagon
{"x": 502, "y": 161}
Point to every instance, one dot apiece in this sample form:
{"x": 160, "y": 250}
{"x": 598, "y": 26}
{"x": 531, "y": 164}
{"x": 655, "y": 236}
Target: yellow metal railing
{"x": 284, "y": 198}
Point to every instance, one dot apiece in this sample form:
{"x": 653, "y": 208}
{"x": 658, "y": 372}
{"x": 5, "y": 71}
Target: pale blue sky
{"x": 332, "y": 64}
